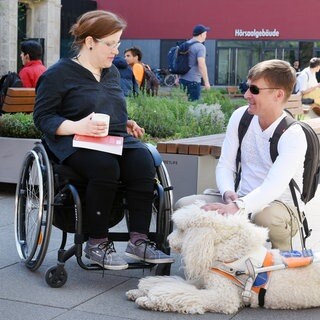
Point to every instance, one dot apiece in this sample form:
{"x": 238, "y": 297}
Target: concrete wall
{"x": 43, "y": 21}
{"x": 8, "y": 31}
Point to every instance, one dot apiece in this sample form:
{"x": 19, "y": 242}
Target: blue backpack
{"x": 178, "y": 58}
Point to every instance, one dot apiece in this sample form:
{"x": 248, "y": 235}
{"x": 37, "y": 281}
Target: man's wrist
{"x": 239, "y": 203}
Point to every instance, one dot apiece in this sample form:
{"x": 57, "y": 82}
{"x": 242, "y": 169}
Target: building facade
{"x": 242, "y": 32}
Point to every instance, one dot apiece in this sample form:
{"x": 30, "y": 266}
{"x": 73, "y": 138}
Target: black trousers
{"x": 135, "y": 168}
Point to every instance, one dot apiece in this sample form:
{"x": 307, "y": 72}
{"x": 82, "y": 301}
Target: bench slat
{"x": 25, "y": 92}
{"x": 17, "y": 108}
{"x": 19, "y": 100}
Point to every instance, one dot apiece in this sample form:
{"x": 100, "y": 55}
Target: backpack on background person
{"x": 178, "y": 58}
{"x": 311, "y": 172}
{"x": 11, "y": 79}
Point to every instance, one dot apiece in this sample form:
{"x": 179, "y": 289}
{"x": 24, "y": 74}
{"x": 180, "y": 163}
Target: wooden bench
{"x": 201, "y": 146}
{"x": 190, "y": 163}
{"x": 233, "y": 92}
{"x": 19, "y": 100}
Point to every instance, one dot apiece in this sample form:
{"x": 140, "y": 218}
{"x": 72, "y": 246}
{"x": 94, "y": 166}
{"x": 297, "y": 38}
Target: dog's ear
{"x": 198, "y": 251}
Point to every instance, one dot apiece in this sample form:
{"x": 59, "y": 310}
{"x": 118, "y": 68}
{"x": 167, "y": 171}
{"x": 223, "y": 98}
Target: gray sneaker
{"x": 105, "y": 255}
{"x": 146, "y": 250}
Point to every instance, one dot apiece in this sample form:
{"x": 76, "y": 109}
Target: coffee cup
{"x": 103, "y": 118}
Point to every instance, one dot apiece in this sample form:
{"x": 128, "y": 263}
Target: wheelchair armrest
{"x": 155, "y": 154}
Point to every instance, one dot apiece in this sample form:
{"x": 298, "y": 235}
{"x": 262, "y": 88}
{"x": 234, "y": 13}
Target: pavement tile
{"x": 15, "y": 310}
{"x": 88, "y": 295}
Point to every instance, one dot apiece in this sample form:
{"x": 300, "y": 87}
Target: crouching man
{"x": 263, "y": 191}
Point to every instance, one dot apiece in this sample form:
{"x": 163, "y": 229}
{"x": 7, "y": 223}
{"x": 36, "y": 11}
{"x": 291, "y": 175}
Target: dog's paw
{"x": 145, "y": 303}
{"x": 134, "y": 294}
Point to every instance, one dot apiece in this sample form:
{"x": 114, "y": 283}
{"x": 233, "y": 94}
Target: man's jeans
{"x": 193, "y": 89}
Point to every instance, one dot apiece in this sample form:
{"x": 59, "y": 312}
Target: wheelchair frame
{"x": 36, "y": 199}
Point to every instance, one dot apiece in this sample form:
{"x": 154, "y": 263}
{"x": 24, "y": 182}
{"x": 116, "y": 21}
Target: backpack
{"x": 150, "y": 82}
{"x": 178, "y": 58}
{"x": 311, "y": 163}
{"x": 11, "y": 79}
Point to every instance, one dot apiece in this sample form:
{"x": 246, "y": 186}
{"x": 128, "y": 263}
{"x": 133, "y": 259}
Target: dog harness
{"x": 252, "y": 273}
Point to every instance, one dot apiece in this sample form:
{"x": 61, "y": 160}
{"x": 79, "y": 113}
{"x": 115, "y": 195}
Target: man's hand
{"x": 230, "y": 196}
{"x": 221, "y": 208}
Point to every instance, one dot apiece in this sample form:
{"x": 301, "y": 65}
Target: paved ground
{"x": 24, "y": 295}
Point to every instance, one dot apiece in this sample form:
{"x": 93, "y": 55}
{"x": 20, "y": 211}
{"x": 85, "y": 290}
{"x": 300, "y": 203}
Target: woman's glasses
{"x": 109, "y": 45}
{"x": 256, "y": 90}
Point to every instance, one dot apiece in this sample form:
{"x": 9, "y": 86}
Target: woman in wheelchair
{"x": 68, "y": 94}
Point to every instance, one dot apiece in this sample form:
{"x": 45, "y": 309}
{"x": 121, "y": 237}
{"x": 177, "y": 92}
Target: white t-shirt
{"x": 306, "y": 80}
{"x": 262, "y": 181}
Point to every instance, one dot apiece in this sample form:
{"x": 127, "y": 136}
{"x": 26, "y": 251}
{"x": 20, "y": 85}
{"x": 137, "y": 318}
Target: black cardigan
{"x": 69, "y": 91}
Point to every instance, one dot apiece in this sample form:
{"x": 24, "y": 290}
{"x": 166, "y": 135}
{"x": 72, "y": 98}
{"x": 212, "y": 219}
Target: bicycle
{"x": 166, "y": 78}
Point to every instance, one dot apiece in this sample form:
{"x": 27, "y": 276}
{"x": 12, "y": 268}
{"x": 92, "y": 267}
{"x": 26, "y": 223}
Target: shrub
{"x": 18, "y": 125}
{"x": 205, "y": 119}
{"x": 163, "y": 117}
{"x": 173, "y": 116}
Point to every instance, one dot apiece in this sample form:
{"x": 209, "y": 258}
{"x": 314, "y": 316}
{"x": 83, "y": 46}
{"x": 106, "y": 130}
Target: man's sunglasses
{"x": 256, "y": 90}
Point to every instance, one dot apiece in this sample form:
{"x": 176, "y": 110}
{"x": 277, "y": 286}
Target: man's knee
{"x": 281, "y": 223}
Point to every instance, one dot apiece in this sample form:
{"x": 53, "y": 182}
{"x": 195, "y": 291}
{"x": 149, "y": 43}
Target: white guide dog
{"x": 223, "y": 260}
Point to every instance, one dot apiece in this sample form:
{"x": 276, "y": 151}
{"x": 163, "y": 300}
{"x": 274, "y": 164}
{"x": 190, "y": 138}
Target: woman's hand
{"x": 85, "y": 126}
{"x": 134, "y": 129}
{"x": 90, "y": 127}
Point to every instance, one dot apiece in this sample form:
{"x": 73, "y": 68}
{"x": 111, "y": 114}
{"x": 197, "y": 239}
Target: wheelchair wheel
{"x": 163, "y": 207}
{"x": 56, "y": 276}
{"x": 33, "y": 207}
{"x": 169, "y": 80}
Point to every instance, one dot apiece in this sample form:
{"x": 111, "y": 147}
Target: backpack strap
{"x": 242, "y": 129}
{"x": 185, "y": 46}
{"x": 284, "y": 124}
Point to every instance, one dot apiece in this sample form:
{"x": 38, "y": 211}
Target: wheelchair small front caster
{"x": 163, "y": 269}
{"x": 56, "y": 276}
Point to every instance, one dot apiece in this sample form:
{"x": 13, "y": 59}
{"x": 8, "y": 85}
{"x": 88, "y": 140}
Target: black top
{"x": 128, "y": 82}
{"x": 67, "y": 90}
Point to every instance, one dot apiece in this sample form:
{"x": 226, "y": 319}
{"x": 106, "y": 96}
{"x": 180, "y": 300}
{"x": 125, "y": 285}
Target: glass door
{"x": 232, "y": 66}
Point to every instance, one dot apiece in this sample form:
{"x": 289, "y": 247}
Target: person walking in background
{"x": 191, "y": 81}
{"x": 128, "y": 82}
{"x": 133, "y": 56}
{"x": 31, "y": 53}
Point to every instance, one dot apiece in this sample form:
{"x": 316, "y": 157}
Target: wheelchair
{"x": 49, "y": 194}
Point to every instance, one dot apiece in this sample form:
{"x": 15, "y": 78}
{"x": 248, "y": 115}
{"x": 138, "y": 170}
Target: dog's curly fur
{"x": 205, "y": 237}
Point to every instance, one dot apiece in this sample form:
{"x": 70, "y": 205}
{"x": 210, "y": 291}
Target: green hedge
{"x": 163, "y": 117}
{"x": 18, "y": 125}
{"x": 173, "y": 116}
